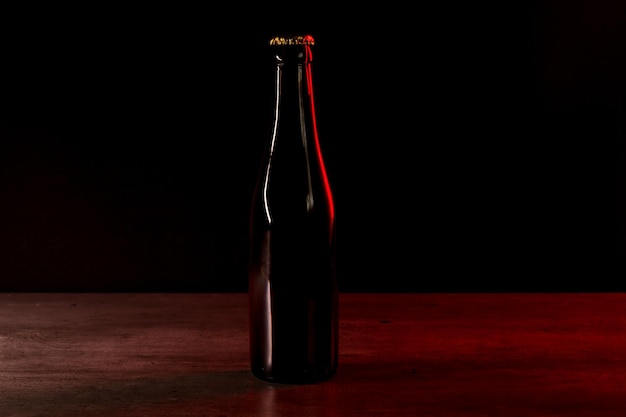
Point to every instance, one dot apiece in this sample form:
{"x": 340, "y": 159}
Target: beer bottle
{"x": 293, "y": 292}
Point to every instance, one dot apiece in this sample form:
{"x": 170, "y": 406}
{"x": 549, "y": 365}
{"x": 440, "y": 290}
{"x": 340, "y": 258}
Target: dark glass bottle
{"x": 293, "y": 293}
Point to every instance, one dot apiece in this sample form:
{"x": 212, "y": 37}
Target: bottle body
{"x": 293, "y": 295}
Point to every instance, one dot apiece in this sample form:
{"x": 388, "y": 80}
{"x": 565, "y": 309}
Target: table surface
{"x": 147, "y": 354}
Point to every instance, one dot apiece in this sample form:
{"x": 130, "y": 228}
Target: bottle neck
{"x": 294, "y": 121}
{"x": 296, "y": 56}
{"x": 294, "y": 106}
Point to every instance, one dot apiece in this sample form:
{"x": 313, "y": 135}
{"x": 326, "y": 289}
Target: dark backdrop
{"x": 470, "y": 148}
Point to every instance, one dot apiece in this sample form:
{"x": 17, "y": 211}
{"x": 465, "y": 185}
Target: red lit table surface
{"x": 150, "y": 355}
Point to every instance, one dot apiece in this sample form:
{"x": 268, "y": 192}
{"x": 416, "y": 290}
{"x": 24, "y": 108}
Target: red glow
{"x": 308, "y": 59}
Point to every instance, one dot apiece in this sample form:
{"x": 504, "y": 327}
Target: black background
{"x": 470, "y": 148}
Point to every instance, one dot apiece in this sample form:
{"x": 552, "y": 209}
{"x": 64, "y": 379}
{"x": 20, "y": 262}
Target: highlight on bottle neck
{"x": 292, "y": 40}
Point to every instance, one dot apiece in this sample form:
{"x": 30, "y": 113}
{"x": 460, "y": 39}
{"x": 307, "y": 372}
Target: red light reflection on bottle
{"x": 308, "y": 59}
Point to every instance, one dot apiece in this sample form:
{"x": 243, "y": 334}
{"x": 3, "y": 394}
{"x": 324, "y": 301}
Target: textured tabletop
{"x": 92, "y": 354}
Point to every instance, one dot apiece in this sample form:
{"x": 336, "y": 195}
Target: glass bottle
{"x": 293, "y": 293}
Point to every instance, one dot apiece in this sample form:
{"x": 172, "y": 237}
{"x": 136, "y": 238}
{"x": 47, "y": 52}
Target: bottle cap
{"x": 293, "y": 40}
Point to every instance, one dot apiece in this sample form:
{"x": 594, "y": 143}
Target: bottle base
{"x": 299, "y": 378}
